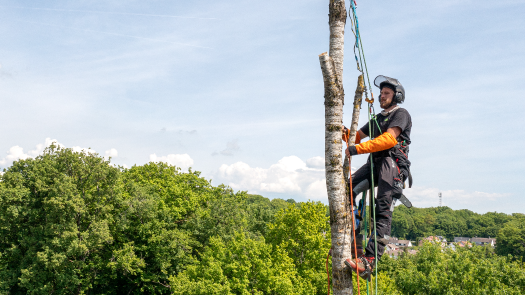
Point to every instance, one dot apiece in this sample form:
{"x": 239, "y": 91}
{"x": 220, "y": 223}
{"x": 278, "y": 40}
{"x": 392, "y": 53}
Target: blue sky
{"x": 234, "y": 89}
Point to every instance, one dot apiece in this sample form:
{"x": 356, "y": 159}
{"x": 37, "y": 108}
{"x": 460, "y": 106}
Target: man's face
{"x": 387, "y": 95}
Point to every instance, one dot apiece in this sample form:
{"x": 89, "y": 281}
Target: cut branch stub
{"x": 358, "y": 99}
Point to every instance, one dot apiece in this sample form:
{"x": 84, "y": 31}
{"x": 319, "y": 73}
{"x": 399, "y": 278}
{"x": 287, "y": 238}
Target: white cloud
{"x": 113, "y": 153}
{"x": 289, "y": 175}
{"x": 184, "y": 161}
{"x": 293, "y": 176}
{"x": 16, "y": 152}
{"x": 315, "y": 162}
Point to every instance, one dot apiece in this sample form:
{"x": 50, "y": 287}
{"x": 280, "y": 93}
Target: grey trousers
{"x": 388, "y": 182}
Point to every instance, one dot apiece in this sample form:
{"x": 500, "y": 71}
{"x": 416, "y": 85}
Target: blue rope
{"x": 371, "y": 117}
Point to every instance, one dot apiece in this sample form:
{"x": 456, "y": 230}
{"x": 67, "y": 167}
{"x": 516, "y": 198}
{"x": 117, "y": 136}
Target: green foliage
{"x": 464, "y": 271}
{"x": 304, "y": 232}
{"x": 415, "y": 223}
{"x": 55, "y": 218}
{"x": 511, "y": 238}
{"x": 241, "y": 266}
{"x": 261, "y": 211}
{"x": 72, "y": 223}
{"x": 385, "y": 285}
{"x": 179, "y": 194}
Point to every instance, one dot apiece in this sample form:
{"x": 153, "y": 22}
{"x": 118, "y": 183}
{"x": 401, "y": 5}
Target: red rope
{"x": 327, "y": 272}
{"x": 352, "y": 213}
{"x": 353, "y": 230}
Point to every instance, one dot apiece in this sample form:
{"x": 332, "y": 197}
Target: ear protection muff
{"x": 398, "y": 97}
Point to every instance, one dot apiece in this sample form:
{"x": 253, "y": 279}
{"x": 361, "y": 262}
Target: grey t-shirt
{"x": 399, "y": 118}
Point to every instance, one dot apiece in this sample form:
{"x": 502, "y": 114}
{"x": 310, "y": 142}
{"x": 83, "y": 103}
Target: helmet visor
{"x": 384, "y": 79}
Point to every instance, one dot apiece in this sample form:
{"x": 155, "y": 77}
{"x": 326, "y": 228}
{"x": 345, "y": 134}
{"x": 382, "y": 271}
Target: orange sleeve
{"x": 357, "y": 138}
{"x": 380, "y": 143}
{"x": 347, "y": 135}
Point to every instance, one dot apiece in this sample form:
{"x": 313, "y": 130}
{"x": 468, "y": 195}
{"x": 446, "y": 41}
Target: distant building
{"x": 394, "y": 251}
{"x": 403, "y": 243}
{"x": 442, "y": 239}
{"x": 484, "y": 241}
{"x": 461, "y": 239}
{"x": 399, "y": 243}
{"x": 465, "y": 241}
{"x": 464, "y": 244}
{"x": 434, "y": 240}
{"x": 391, "y": 247}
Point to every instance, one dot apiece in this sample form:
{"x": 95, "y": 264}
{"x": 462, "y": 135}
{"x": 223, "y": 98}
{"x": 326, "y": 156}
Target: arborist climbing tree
{"x": 388, "y": 165}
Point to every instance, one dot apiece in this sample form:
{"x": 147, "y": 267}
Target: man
{"x": 389, "y": 148}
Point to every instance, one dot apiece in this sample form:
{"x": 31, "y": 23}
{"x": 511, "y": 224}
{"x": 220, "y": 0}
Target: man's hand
{"x": 351, "y": 151}
{"x": 346, "y": 133}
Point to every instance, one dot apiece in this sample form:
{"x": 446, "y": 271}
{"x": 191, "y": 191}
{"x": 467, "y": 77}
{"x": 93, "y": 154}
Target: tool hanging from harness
{"x": 400, "y": 153}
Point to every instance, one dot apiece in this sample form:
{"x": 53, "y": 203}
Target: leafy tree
{"x": 415, "y": 223}
{"x": 241, "y": 266}
{"x": 304, "y": 232}
{"x": 178, "y": 193}
{"x": 261, "y": 212}
{"x": 163, "y": 224}
{"x": 55, "y": 216}
{"x": 464, "y": 271}
{"x": 511, "y": 238}
{"x": 221, "y": 216}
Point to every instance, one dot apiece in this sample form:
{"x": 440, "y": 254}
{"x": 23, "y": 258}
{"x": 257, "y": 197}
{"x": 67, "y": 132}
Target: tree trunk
{"x": 340, "y": 219}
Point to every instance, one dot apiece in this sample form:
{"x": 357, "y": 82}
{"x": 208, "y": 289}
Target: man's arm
{"x": 395, "y": 131}
{"x": 383, "y": 142}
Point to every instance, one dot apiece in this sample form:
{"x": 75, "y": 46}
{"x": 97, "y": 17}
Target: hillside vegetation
{"x": 72, "y": 223}
{"x": 416, "y": 223}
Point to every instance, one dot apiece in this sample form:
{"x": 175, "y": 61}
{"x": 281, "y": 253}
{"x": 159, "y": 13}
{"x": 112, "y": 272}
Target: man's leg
{"x": 388, "y": 185}
{"x": 360, "y": 178}
{"x": 360, "y": 175}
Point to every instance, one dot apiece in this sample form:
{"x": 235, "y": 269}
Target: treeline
{"x": 416, "y": 223}
{"x": 73, "y": 223}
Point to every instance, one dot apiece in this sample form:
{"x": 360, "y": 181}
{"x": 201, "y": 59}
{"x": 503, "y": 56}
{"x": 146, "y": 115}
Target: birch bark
{"x": 340, "y": 222}
{"x": 340, "y": 219}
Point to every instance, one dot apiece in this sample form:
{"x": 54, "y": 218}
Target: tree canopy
{"x": 73, "y": 223}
